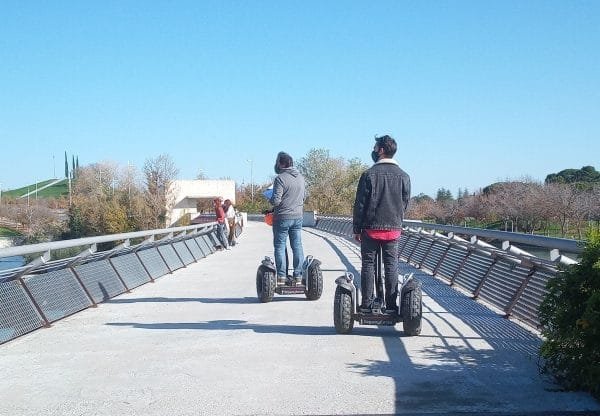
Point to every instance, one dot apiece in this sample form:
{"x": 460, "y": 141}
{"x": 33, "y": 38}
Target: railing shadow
{"x": 233, "y": 301}
{"x": 483, "y": 345}
{"x": 239, "y": 325}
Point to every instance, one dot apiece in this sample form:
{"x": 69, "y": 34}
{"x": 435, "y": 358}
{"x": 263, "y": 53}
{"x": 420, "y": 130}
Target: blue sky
{"x": 474, "y": 92}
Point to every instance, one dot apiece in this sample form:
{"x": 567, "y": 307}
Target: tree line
{"x": 104, "y": 198}
{"x": 107, "y": 198}
{"x": 565, "y": 204}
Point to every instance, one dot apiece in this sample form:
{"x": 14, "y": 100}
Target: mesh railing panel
{"x": 184, "y": 253}
{"x": 452, "y": 262}
{"x": 192, "y": 246}
{"x": 170, "y": 257}
{"x": 131, "y": 270}
{"x": 528, "y": 304}
{"x": 502, "y": 284}
{"x": 420, "y": 251}
{"x": 409, "y": 246}
{"x": 17, "y": 314}
{"x": 403, "y": 239}
{"x": 474, "y": 269}
{"x": 203, "y": 245}
{"x": 154, "y": 263}
{"x": 209, "y": 242}
{"x": 435, "y": 255}
{"x": 100, "y": 280}
{"x": 57, "y": 293}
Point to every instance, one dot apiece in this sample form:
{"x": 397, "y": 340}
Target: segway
{"x": 345, "y": 304}
{"x": 267, "y": 286}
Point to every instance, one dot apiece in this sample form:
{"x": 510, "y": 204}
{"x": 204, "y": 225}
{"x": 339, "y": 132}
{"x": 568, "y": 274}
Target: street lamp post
{"x": 251, "y": 180}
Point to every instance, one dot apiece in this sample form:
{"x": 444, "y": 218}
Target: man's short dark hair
{"x": 284, "y": 160}
{"x": 388, "y": 145}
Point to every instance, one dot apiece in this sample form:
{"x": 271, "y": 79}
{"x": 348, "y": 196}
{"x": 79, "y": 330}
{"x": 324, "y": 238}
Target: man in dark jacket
{"x": 381, "y": 199}
{"x": 288, "y": 208}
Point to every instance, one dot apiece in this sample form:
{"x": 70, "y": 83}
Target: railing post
{"x": 71, "y": 265}
{"x": 485, "y": 276}
{"x": 519, "y": 292}
{"x": 43, "y": 259}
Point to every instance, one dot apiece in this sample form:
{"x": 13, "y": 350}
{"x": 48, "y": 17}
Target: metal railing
{"x": 507, "y": 278}
{"x": 53, "y": 285}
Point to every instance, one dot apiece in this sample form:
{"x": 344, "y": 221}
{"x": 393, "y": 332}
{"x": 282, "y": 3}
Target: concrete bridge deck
{"x": 198, "y": 342}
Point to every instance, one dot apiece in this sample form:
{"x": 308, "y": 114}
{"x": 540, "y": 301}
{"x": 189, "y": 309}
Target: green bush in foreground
{"x": 570, "y": 316}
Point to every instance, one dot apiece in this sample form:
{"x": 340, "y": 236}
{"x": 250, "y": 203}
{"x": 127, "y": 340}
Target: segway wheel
{"x": 265, "y": 284}
{"x": 314, "y": 283}
{"x": 411, "y": 310}
{"x": 342, "y": 311}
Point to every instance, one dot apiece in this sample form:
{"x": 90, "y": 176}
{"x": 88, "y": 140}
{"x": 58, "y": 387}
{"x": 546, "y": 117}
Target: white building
{"x": 187, "y": 194}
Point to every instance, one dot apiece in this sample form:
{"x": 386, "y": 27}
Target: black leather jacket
{"x": 381, "y": 198}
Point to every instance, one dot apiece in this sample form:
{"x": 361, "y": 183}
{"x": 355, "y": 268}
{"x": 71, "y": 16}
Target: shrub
{"x": 570, "y": 317}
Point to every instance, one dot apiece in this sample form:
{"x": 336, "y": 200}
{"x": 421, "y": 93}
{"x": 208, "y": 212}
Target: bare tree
{"x": 562, "y": 198}
{"x": 159, "y": 174}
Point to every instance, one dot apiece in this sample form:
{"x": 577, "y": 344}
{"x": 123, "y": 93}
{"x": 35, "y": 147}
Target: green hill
{"x": 56, "y": 190}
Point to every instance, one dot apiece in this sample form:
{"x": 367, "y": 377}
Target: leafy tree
{"x": 245, "y": 202}
{"x": 76, "y": 223}
{"x": 570, "y": 318}
{"x": 114, "y": 217}
{"x": 66, "y": 166}
{"x": 444, "y": 195}
{"x": 587, "y": 174}
{"x": 331, "y": 182}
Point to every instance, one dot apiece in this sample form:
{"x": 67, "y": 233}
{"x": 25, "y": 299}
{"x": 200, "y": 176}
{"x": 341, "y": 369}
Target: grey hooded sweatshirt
{"x": 288, "y": 195}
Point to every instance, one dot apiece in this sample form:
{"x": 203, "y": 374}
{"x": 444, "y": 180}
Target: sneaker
{"x": 364, "y": 309}
{"x": 298, "y": 280}
{"x": 281, "y": 280}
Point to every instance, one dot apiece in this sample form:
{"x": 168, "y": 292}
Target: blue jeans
{"x": 221, "y": 235}
{"x": 281, "y": 230}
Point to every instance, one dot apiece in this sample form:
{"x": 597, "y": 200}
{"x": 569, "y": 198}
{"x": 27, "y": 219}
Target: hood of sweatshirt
{"x": 292, "y": 171}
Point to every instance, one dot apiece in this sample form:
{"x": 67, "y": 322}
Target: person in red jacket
{"x": 220, "y": 213}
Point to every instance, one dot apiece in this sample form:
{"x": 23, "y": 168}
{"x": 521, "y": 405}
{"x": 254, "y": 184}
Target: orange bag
{"x": 269, "y": 218}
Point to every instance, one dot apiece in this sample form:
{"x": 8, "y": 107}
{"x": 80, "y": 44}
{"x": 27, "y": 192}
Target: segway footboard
{"x": 383, "y": 319}
{"x": 290, "y": 290}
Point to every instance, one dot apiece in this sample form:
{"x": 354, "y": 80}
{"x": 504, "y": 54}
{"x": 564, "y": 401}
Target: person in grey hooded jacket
{"x": 288, "y": 207}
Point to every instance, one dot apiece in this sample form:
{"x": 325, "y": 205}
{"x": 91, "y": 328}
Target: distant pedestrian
{"x": 220, "y": 213}
{"x": 230, "y": 217}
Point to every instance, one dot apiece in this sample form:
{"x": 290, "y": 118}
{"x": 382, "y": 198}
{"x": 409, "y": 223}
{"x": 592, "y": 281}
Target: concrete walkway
{"x": 198, "y": 342}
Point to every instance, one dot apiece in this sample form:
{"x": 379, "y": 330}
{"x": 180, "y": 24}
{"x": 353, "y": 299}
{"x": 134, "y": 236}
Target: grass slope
{"x": 58, "y": 189}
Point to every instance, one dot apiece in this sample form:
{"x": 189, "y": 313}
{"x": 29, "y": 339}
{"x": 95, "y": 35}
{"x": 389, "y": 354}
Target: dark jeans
{"x": 368, "y": 250}
{"x": 221, "y": 235}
